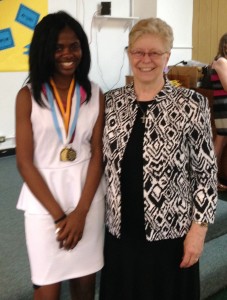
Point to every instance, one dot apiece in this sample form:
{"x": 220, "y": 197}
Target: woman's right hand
{"x": 70, "y": 230}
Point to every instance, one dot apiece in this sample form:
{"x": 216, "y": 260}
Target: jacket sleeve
{"x": 203, "y": 166}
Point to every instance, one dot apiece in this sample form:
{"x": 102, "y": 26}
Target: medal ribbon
{"x": 64, "y": 112}
{"x": 50, "y": 98}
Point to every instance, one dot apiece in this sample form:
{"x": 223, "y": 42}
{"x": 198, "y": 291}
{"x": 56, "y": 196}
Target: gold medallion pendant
{"x": 63, "y": 154}
{"x": 68, "y": 154}
{"x": 71, "y": 154}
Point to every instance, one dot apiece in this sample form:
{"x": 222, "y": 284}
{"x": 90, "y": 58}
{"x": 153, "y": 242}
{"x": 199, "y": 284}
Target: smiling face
{"x": 68, "y": 53}
{"x": 148, "y": 57}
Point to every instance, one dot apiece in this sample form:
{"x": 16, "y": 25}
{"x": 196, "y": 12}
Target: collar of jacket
{"x": 167, "y": 89}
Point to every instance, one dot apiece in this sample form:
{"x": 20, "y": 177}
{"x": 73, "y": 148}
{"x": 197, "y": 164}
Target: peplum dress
{"x": 66, "y": 179}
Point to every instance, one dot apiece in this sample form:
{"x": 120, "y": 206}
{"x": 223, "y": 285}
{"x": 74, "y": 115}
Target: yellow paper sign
{"x": 17, "y": 22}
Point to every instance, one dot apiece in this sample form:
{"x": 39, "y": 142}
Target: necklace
{"x": 65, "y": 112}
{"x": 67, "y": 153}
{"x": 143, "y": 118}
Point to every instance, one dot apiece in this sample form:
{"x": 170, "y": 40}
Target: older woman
{"x": 161, "y": 175}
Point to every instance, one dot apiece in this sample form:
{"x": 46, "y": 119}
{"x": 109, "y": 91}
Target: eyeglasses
{"x": 141, "y": 54}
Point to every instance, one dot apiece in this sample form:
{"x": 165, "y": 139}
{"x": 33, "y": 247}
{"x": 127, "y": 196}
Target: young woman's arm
{"x": 24, "y": 155}
{"x": 220, "y": 67}
{"x": 73, "y": 230}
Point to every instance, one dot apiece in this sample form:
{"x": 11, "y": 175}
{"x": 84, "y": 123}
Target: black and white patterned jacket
{"x": 179, "y": 163}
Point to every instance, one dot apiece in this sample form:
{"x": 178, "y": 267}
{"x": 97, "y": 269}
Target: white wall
{"x": 144, "y": 8}
{"x": 10, "y": 83}
{"x": 107, "y": 42}
{"x": 178, "y": 14}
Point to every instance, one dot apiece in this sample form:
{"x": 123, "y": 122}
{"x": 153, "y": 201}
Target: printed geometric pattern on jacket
{"x": 179, "y": 162}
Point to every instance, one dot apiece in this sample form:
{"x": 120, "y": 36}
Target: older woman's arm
{"x": 204, "y": 180}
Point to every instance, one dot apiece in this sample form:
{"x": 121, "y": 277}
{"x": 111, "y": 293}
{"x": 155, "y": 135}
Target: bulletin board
{"x": 17, "y": 22}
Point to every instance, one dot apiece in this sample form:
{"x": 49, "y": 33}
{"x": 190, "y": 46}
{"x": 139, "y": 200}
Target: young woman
{"x": 219, "y": 82}
{"x": 59, "y": 125}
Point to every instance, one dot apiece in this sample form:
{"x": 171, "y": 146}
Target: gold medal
{"x": 64, "y": 154}
{"x": 71, "y": 154}
{"x": 68, "y": 154}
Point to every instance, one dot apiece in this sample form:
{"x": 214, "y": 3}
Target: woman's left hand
{"x": 193, "y": 245}
{"x": 72, "y": 232}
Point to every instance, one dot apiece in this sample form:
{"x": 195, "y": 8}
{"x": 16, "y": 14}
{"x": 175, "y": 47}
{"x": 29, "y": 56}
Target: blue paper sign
{"x": 27, "y": 16}
{"x": 6, "y": 39}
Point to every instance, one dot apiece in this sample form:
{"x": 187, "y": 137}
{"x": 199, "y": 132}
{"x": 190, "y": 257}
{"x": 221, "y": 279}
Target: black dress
{"x": 136, "y": 269}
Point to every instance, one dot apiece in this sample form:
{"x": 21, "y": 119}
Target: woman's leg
{"x": 47, "y": 292}
{"x": 83, "y": 288}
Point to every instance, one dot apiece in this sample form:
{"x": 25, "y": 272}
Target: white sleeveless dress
{"x": 48, "y": 263}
